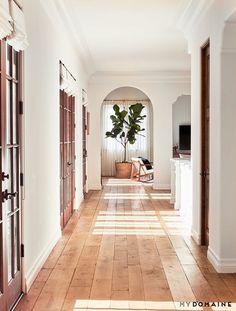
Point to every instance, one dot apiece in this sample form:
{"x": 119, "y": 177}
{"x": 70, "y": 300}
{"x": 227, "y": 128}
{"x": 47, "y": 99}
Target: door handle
{"x": 69, "y": 163}
{"x": 8, "y": 195}
{"x": 204, "y": 174}
{"x": 5, "y": 176}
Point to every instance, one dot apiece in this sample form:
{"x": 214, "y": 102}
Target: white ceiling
{"x": 131, "y": 35}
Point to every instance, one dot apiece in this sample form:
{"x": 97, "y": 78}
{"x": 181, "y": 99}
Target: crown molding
{"x": 77, "y": 36}
{"x": 142, "y": 77}
{"x": 193, "y": 13}
{"x": 59, "y": 16}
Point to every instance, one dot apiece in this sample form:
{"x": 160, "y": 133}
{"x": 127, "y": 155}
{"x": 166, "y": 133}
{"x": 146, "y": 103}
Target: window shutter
{"x": 18, "y": 37}
{"x": 67, "y": 82}
{"x": 5, "y": 19}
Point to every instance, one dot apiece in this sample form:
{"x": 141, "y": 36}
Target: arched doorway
{"x": 112, "y": 150}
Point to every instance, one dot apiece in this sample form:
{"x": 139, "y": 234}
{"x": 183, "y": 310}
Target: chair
{"x": 140, "y": 169}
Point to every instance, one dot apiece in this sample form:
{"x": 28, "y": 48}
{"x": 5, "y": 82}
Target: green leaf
{"x": 113, "y": 118}
{"x": 123, "y": 114}
{"x": 108, "y": 134}
{"x": 137, "y": 108}
{"x": 116, "y": 108}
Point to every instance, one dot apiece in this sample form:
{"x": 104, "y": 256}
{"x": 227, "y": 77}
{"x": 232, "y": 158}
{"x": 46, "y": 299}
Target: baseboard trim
{"x": 157, "y": 186}
{"x": 222, "y": 265}
{"x": 95, "y": 187}
{"x": 79, "y": 202}
{"x": 39, "y": 262}
{"x": 196, "y": 236}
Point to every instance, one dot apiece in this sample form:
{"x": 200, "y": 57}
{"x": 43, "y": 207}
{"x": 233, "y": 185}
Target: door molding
{"x": 84, "y": 148}
{"x": 67, "y": 156}
{"x": 11, "y": 165}
{"x": 205, "y": 140}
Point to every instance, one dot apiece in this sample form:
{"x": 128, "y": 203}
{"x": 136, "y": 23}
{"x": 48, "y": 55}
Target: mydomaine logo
{"x": 198, "y": 305}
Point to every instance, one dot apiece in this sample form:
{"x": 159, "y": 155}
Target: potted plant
{"x": 126, "y": 127}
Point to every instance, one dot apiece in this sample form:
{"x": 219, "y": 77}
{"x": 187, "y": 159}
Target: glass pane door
{"x": 10, "y": 213}
{"x": 84, "y": 133}
{"x": 67, "y": 154}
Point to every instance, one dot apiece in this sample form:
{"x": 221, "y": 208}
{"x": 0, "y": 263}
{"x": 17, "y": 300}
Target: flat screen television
{"x": 185, "y": 137}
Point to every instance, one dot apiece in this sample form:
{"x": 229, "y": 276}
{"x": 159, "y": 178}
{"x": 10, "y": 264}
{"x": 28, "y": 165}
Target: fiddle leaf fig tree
{"x": 126, "y": 125}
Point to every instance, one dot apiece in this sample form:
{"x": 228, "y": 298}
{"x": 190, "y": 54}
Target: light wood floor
{"x": 126, "y": 250}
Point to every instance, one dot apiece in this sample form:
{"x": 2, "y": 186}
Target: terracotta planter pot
{"x": 123, "y": 170}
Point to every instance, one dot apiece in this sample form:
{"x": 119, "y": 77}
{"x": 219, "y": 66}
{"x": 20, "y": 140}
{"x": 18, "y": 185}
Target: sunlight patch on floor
{"x": 123, "y": 305}
{"x": 173, "y": 218}
{"x": 139, "y": 223}
{"x": 129, "y": 194}
{"x": 128, "y": 224}
{"x": 169, "y": 213}
{"x": 160, "y": 198}
{"x": 113, "y": 182}
{"x": 137, "y": 195}
{"x": 133, "y": 305}
{"x": 137, "y": 213}
{"x": 127, "y": 218}
{"x": 123, "y": 231}
{"x": 114, "y": 197}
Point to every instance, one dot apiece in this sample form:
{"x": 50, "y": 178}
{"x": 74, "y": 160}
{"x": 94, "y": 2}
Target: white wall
{"x": 210, "y": 24}
{"x": 41, "y": 215}
{"x": 129, "y": 93}
{"x": 181, "y": 114}
{"x": 162, "y": 89}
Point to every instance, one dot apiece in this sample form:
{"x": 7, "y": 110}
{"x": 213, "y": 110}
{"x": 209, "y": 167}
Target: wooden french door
{"x": 10, "y": 204}
{"x": 67, "y": 156}
{"x": 205, "y": 173}
{"x": 84, "y": 143}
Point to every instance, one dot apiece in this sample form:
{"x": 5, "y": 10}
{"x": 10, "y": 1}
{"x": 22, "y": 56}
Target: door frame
{"x": 204, "y": 174}
{"x": 67, "y": 107}
{"x": 11, "y": 298}
{"x": 65, "y": 214}
{"x": 84, "y": 148}
{"x": 85, "y": 132}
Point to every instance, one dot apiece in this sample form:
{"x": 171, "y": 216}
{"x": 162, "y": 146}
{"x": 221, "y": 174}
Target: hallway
{"x": 84, "y": 95}
{"x": 127, "y": 249}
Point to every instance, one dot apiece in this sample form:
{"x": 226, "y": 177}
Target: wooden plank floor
{"x": 127, "y": 249}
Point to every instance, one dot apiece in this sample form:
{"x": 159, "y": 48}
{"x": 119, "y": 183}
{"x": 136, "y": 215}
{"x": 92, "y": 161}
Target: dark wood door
{"x": 67, "y": 156}
{"x": 10, "y": 207}
{"x": 205, "y": 172}
{"x": 85, "y": 154}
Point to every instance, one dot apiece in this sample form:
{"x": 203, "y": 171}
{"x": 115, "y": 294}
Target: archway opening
{"x": 112, "y": 151}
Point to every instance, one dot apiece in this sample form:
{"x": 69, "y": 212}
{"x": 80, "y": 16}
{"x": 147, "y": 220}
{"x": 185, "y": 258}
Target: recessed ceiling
{"x": 131, "y": 35}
